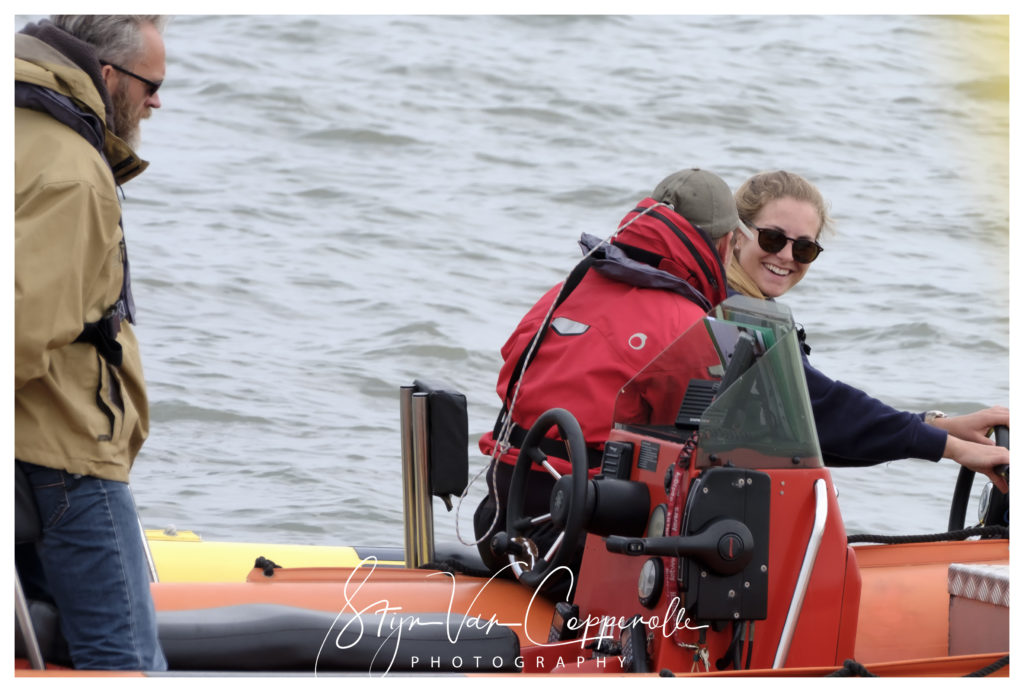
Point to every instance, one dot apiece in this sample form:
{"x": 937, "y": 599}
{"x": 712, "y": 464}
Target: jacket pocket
{"x": 109, "y": 400}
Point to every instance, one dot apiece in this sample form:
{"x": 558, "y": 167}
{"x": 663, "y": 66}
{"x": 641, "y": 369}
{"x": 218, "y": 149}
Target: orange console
{"x": 736, "y": 565}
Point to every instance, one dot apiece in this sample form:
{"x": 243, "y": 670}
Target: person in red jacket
{"x": 631, "y": 296}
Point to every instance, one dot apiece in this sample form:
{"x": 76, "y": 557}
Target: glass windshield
{"x": 737, "y": 379}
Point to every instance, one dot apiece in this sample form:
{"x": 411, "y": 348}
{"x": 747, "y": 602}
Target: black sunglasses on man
{"x": 151, "y": 86}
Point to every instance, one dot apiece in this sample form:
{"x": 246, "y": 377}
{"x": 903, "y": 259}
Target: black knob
{"x": 730, "y": 547}
{"x": 501, "y": 545}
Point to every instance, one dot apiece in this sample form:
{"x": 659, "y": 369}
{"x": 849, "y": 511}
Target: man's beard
{"x": 126, "y": 118}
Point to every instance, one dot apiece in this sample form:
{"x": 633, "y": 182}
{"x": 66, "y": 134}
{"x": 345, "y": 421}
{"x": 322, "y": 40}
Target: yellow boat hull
{"x": 183, "y": 556}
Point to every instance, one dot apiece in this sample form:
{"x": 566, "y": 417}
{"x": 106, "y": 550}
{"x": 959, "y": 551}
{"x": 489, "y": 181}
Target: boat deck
{"x": 905, "y": 600}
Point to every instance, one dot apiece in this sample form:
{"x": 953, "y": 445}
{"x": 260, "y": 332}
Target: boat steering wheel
{"x": 998, "y": 503}
{"x": 567, "y": 506}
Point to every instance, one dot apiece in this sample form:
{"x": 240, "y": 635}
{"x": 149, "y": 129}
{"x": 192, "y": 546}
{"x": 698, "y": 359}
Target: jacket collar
{"x": 613, "y": 262}
{"x": 49, "y": 57}
{"x": 684, "y": 250}
{"x": 69, "y": 51}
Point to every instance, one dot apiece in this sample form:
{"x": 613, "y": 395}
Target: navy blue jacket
{"x": 855, "y": 429}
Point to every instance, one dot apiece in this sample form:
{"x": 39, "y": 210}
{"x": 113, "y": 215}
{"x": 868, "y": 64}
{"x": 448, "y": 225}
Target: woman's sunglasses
{"x": 773, "y": 240}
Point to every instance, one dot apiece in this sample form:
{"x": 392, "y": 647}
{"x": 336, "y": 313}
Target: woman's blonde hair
{"x": 767, "y": 187}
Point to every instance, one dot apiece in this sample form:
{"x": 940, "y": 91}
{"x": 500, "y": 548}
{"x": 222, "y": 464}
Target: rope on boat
{"x": 988, "y": 670}
{"x": 454, "y": 566}
{"x": 853, "y": 669}
{"x": 267, "y": 565}
{"x": 983, "y": 531}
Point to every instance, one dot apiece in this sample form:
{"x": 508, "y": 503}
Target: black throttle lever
{"x": 725, "y": 546}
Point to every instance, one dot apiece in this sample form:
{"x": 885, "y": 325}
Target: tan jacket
{"x": 72, "y": 410}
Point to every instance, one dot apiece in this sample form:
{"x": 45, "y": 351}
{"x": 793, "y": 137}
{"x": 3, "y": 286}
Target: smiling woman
{"x": 789, "y": 214}
{"x": 787, "y": 232}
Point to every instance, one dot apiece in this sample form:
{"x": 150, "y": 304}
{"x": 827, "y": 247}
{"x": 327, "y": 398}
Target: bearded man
{"x": 82, "y": 84}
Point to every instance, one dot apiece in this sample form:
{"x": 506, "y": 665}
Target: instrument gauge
{"x": 649, "y": 584}
{"x": 984, "y": 501}
{"x": 656, "y": 524}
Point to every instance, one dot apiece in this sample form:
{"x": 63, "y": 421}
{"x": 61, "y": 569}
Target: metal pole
{"x": 424, "y": 527}
{"x": 28, "y": 632}
{"x": 150, "y": 562}
{"x": 408, "y": 495}
{"x": 796, "y": 604}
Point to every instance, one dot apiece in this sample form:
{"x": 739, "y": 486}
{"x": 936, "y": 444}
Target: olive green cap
{"x": 703, "y": 199}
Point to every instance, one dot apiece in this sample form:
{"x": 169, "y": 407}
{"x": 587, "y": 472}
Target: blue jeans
{"x": 91, "y": 563}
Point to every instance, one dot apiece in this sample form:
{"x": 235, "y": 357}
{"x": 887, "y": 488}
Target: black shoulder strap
{"x": 571, "y": 282}
{"x": 62, "y": 109}
{"x": 708, "y": 274}
{"x": 103, "y": 335}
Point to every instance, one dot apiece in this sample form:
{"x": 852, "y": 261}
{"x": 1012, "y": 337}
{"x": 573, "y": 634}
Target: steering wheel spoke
{"x": 524, "y": 522}
{"x": 548, "y": 556}
{"x": 550, "y": 469}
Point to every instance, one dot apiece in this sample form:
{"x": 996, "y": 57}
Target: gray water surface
{"x": 337, "y": 205}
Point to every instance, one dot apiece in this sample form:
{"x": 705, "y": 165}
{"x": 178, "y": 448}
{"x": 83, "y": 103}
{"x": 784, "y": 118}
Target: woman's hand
{"x": 975, "y": 427}
{"x": 983, "y": 458}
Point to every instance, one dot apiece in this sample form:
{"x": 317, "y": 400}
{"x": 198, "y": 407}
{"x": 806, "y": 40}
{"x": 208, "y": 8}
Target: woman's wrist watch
{"x": 930, "y": 416}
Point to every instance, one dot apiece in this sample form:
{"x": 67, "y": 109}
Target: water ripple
{"x": 337, "y": 205}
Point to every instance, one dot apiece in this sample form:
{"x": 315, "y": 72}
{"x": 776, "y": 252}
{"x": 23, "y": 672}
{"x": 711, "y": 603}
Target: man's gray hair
{"x": 116, "y": 37}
